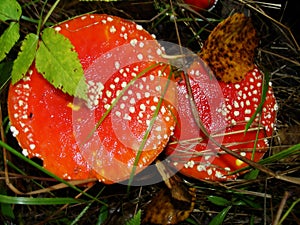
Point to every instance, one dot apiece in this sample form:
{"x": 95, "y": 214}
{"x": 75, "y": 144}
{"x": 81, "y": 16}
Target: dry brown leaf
{"x": 164, "y": 209}
{"x": 172, "y": 204}
{"x": 230, "y": 48}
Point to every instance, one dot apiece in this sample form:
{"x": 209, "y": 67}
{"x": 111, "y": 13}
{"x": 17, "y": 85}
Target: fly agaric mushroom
{"x": 128, "y": 96}
{"x": 242, "y": 87}
{"x": 201, "y": 4}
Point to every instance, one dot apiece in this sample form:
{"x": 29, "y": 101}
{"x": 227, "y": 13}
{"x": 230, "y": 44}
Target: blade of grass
{"x": 29, "y": 161}
{"x": 37, "y": 201}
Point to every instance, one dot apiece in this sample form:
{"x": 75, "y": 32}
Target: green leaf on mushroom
{"x": 57, "y": 61}
{"x": 25, "y": 57}
{"x": 10, "y": 10}
{"x": 8, "y": 39}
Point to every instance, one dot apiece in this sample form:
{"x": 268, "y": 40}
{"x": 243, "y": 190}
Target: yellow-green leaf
{"x": 25, "y": 57}
{"x": 8, "y": 39}
{"x": 10, "y": 10}
{"x": 57, "y": 61}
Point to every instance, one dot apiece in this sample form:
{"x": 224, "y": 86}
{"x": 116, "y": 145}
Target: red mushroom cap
{"x": 191, "y": 152}
{"x": 201, "y": 4}
{"x": 101, "y": 137}
{"x": 241, "y": 83}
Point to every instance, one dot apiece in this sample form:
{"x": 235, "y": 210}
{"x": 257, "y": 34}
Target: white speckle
{"x": 270, "y": 84}
{"x": 237, "y": 86}
{"x": 207, "y": 157}
{"x": 30, "y": 72}
{"x": 132, "y": 101}
{"x": 106, "y": 106}
{"x": 57, "y": 29}
{"x": 248, "y": 111}
{"x": 219, "y": 174}
{"x": 141, "y": 86}
{"x": 148, "y": 122}
{"x": 14, "y": 131}
{"x": 153, "y": 107}
{"x": 116, "y": 80}
{"x": 112, "y": 86}
{"x": 139, "y": 27}
{"x": 25, "y": 152}
{"x": 201, "y": 168}
{"x": 247, "y": 118}
{"x": 32, "y": 146}
{"x": 143, "y": 107}
{"x": 109, "y": 19}
{"x": 138, "y": 95}
{"x": 158, "y": 128}
{"x": 122, "y": 106}
{"x": 140, "y": 56}
{"x": 124, "y": 84}
{"x": 236, "y": 113}
{"x": 108, "y": 93}
{"x": 147, "y": 94}
{"x": 209, "y": 172}
{"x": 236, "y": 104}
{"x": 26, "y": 86}
{"x": 258, "y": 84}
{"x": 127, "y": 117}
{"x": 83, "y": 17}
{"x": 141, "y": 44}
{"x": 229, "y": 107}
{"x": 243, "y": 154}
{"x": 251, "y": 80}
{"x": 118, "y": 113}
{"x": 227, "y": 169}
{"x": 248, "y": 103}
{"x": 124, "y": 97}
{"x": 151, "y": 77}
{"x": 242, "y": 104}
{"x": 117, "y": 65}
{"x": 133, "y": 42}
{"x": 158, "y": 51}
{"x": 158, "y": 88}
{"x": 163, "y": 110}
{"x": 131, "y": 109}
{"x": 104, "y": 21}
{"x": 233, "y": 122}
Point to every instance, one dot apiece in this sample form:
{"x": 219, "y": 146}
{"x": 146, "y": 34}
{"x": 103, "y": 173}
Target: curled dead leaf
{"x": 230, "y": 48}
